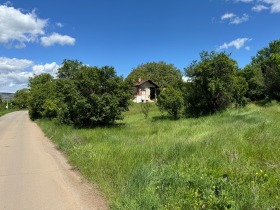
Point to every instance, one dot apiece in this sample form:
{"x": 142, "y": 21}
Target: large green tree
{"x": 161, "y": 73}
{"x": 268, "y": 60}
{"x": 90, "y": 96}
{"x": 21, "y": 98}
{"x": 213, "y": 85}
{"x": 42, "y": 98}
{"x": 255, "y": 79}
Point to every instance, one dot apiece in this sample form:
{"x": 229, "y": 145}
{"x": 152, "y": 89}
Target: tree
{"x": 161, "y": 73}
{"x": 256, "y": 86}
{"x": 21, "y": 98}
{"x": 68, "y": 69}
{"x": 172, "y": 101}
{"x": 268, "y": 60}
{"x": 212, "y": 85}
{"x": 239, "y": 92}
{"x": 42, "y": 91}
{"x": 91, "y": 96}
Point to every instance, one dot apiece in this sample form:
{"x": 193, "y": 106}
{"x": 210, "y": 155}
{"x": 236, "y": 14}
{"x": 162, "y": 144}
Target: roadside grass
{"x": 6, "y": 111}
{"x": 229, "y": 160}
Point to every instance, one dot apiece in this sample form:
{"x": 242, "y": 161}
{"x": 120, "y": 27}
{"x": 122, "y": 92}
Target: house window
{"x": 144, "y": 92}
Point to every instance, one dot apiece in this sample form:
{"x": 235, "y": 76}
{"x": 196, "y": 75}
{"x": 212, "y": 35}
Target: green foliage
{"x": 254, "y": 78}
{"x": 145, "y": 108}
{"x": 68, "y": 69}
{"x": 90, "y": 96}
{"x": 21, "y": 98}
{"x": 42, "y": 92}
{"x": 161, "y": 73}
{"x": 240, "y": 89}
{"x": 268, "y": 60}
{"x": 228, "y": 160}
{"x": 39, "y": 80}
{"x": 172, "y": 101}
{"x": 50, "y": 108}
{"x": 213, "y": 84}
{"x": 81, "y": 95}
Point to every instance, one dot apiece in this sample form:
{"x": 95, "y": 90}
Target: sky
{"x": 36, "y": 36}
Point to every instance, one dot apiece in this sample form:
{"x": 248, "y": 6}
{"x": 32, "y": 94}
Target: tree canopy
{"x": 42, "y": 91}
{"x": 91, "y": 95}
{"x": 213, "y": 86}
{"x": 21, "y": 98}
{"x": 81, "y": 95}
{"x": 268, "y": 61}
{"x": 161, "y": 73}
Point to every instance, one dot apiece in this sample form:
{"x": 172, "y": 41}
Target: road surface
{"x": 34, "y": 175}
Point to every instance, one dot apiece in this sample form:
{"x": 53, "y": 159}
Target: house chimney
{"x": 139, "y": 79}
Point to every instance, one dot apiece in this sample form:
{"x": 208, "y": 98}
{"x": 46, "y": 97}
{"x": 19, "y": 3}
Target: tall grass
{"x": 229, "y": 160}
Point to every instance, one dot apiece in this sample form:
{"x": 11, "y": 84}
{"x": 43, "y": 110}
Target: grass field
{"x": 229, "y": 160}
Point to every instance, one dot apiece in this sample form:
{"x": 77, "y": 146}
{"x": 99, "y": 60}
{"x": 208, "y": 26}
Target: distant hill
{"x": 7, "y": 96}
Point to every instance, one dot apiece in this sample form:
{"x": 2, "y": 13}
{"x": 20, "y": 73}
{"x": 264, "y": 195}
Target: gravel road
{"x": 34, "y": 175}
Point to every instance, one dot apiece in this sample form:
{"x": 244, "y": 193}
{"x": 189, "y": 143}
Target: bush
{"x": 90, "y": 96}
{"x": 213, "y": 87}
{"x": 171, "y": 100}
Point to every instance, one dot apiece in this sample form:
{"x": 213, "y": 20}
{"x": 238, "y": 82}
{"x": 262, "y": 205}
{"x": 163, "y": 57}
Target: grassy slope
{"x": 157, "y": 163}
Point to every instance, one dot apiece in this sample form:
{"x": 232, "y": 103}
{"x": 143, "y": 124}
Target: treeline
{"x": 80, "y": 95}
{"x": 90, "y": 96}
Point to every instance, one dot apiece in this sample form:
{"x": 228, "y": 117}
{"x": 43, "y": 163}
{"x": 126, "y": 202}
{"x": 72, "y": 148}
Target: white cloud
{"x": 238, "y": 20}
{"x": 274, "y": 5}
{"x": 17, "y": 28}
{"x": 259, "y": 8}
{"x": 237, "y": 43}
{"x": 50, "y": 68}
{"x": 234, "y": 19}
{"x": 228, "y": 16}
{"x": 56, "y": 38}
{"x": 14, "y": 73}
{"x": 60, "y": 25}
{"x": 247, "y": 48}
{"x": 13, "y": 65}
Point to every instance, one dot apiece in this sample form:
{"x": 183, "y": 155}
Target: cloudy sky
{"x": 36, "y": 36}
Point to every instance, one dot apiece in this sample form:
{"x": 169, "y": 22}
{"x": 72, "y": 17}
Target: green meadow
{"x": 230, "y": 160}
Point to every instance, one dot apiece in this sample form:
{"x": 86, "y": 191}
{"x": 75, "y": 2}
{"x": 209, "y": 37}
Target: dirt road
{"x": 34, "y": 175}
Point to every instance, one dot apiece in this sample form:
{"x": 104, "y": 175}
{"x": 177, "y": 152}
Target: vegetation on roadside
{"x": 224, "y": 158}
{"x": 81, "y": 95}
{"x": 6, "y": 111}
{"x": 3, "y": 107}
{"x": 229, "y": 160}
{"x": 87, "y": 96}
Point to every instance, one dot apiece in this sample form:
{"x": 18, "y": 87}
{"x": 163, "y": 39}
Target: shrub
{"x": 171, "y": 100}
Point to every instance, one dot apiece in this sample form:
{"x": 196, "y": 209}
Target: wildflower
{"x": 261, "y": 171}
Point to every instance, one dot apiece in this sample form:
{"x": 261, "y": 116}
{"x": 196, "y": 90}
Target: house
{"x": 145, "y": 91}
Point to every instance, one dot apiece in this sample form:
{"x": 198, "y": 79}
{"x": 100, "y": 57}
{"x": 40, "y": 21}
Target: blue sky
{"x": 36, "y": 36}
